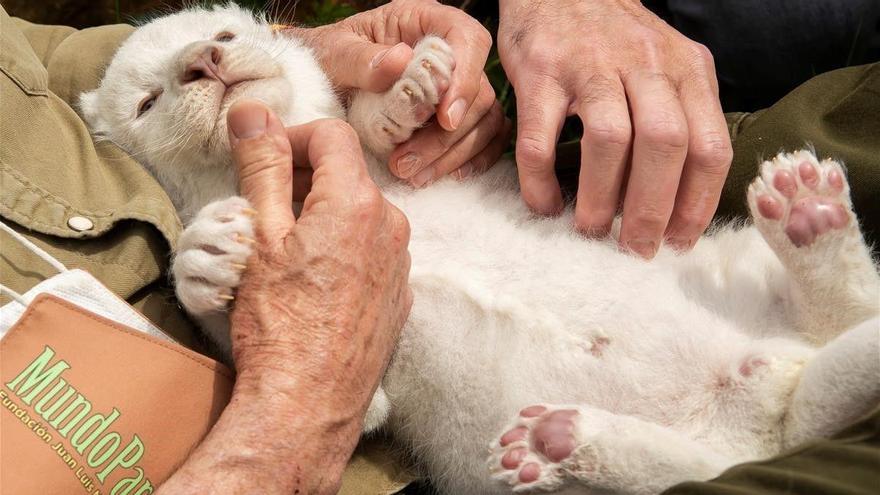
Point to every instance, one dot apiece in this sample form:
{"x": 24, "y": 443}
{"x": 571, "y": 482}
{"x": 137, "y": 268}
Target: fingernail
{"x": 643, "y": 247}
{"x": 680, "y": 244}
{"x": 408, "y": 164}
{"x": 379, "y": 57}
{"x": 248, "y": 123}
{"x": 424, "y": 177}
{"x": 456, "y": 112}
{"x": 464, "y": 171}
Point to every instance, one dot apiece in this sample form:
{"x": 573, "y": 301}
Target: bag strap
{"x": 30, "y": 246}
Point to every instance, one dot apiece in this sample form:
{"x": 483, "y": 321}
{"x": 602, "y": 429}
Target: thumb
{"x": 357, "y": 63}
{"x": 264, "y": 161}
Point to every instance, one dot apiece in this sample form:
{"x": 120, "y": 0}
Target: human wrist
{"x": 295, "y": 399}
{"x": 283, "y": 432}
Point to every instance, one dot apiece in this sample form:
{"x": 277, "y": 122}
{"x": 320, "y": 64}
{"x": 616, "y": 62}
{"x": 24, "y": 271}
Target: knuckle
{"x": 541, "y": 57}
{"x": 702, "y": 57}
{"x": 670, "y": 133}
{"x": 533, "y": 154}
{"x": 713, "y": 153}
{"x": 367, "y": 199}
{"x": 486, "y": 96}
{"x": 608, "y": 133}
{"x": 691, "y": 218}
{"x": 475, "y": 32}
{"x": 648, "y": 218}
{"x": 482, "y": 36}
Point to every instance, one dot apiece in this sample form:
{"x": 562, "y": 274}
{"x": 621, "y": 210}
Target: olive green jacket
{"x": 93, "y": 207}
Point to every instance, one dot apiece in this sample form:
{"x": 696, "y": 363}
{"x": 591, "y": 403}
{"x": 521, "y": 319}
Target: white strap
{"x": 15, "y": 296}
{"x": 34, "y": 249}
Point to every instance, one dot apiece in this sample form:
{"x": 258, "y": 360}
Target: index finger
{"x": 332, "y": 149}
{"x": 327, "y": 143}
{"x": 470, "y": 42}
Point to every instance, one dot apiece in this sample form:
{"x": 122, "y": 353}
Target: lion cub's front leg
{"x": 384, "y": 120}
{"x": 209, "y": 261}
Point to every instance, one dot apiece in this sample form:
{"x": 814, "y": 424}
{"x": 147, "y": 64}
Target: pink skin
{"x": 515, "y": 456}
{"x": 808, "y": 175}
{"x": 785, "y": 183}
{"x": 551, "y": 436}
{"x": 812, "y": 217}
{"x": 769, "y": 208}
{"x": 836, "y": 181}
{"x": 532, "y": 411}
{"x": 424, "y": 111}
{"x": 808, "y": 217}
{"x": 529, "y": 472}
{"x": 514, "y": 435}
{"x": 750, "y": 365}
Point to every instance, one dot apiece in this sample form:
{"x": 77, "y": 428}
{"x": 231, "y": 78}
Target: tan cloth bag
{"x": 92, "y": 406}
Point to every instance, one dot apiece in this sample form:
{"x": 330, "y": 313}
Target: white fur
{"x": 512, "y": 310}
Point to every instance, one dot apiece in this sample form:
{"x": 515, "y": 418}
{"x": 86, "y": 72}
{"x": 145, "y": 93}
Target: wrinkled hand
{"x": 370, "y": 50}
{"x": 654, "y": 138}
{"x": 317, "y": 313}
{"x": 325, "y": 295}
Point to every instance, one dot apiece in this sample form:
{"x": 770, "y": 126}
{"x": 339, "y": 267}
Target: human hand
{"x": 325, "y": 295}
{"x": 370, "y": 50}
{"x": 654, "y": 138}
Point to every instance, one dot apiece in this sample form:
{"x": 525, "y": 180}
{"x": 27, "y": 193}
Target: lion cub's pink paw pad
{"x": 527, "y": 455}
{"x": 806, "y": 197}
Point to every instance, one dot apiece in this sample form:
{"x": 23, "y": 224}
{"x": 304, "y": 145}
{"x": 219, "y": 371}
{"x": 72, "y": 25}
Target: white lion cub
{"x": 760, "y": 338}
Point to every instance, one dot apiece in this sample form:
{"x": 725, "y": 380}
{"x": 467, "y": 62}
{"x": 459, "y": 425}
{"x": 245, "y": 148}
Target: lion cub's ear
{"x": 88, "y": 109}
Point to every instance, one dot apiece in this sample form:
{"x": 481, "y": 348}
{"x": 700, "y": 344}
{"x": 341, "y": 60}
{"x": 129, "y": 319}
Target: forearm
{"x": 267, "y": 442}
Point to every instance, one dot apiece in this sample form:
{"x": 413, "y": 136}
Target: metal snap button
{"x": 80, "y": 224}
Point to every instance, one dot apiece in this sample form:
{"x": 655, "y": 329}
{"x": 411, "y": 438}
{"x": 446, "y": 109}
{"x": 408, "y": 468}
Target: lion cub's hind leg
{"x": 554, "y": 447}
{"x": 803, "y": 209}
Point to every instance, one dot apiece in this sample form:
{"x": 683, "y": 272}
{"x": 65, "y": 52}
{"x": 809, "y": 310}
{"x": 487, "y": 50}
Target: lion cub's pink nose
{"x": 204, "y": 65}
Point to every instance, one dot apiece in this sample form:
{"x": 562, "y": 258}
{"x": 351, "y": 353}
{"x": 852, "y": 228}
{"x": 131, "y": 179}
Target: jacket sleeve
{"x": 836, "y": 113}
